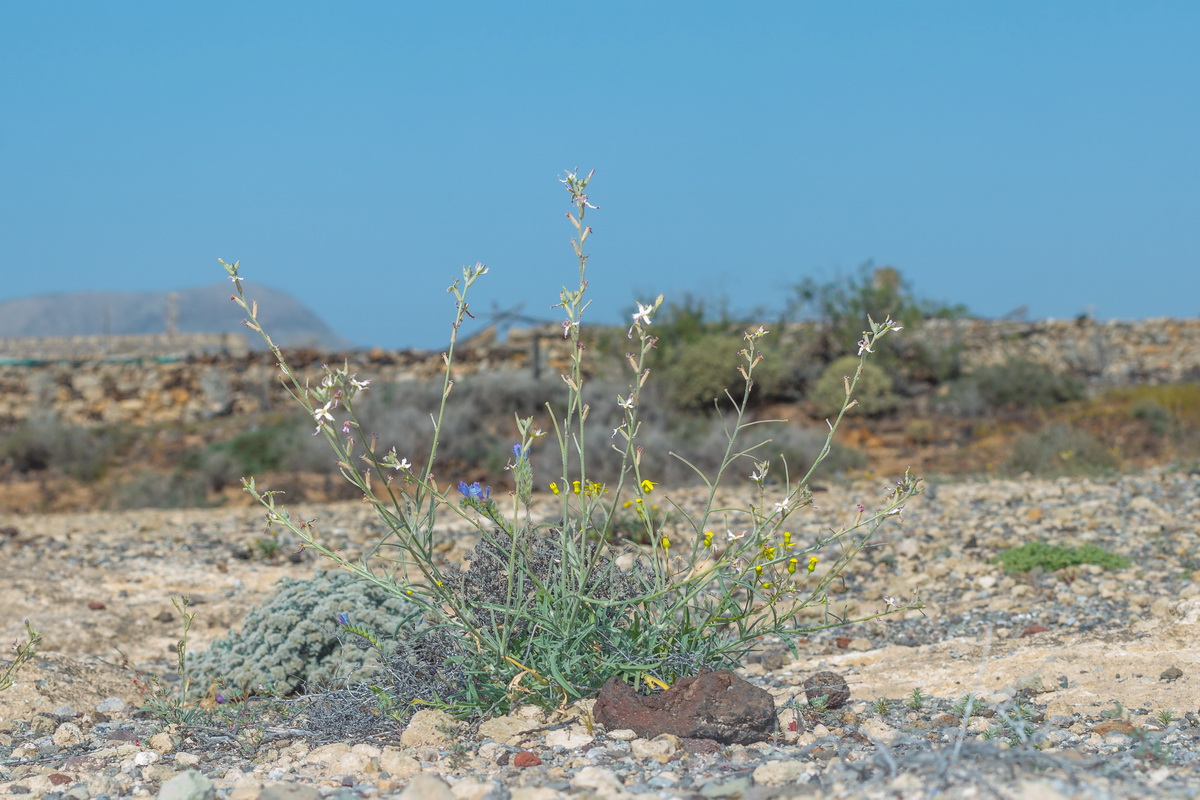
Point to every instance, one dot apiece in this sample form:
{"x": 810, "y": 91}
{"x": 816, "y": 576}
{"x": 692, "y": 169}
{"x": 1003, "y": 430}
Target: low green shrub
{"x": 1060, "y": 449}
{"x": 873, "y": 393}
{"x": 1051, "y": 558}
{"x": 46, "y": 443}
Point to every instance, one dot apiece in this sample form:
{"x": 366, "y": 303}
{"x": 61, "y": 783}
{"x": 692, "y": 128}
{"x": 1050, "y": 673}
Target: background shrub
{"x": 1059, "y": 449}
{"x": 1017, "y": 383}
{"x": 873, "y": 392}
{"x": 44, "y": 443}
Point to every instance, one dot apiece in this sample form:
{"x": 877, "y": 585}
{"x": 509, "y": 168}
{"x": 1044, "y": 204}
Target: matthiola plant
{"x": 549, "y": 609}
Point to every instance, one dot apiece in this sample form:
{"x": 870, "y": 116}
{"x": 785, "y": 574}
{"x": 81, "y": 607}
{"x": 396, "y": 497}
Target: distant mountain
{"x": 206, "y": 309}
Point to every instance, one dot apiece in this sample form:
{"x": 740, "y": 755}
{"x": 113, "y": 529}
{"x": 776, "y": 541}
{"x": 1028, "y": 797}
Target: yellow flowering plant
{"x": 552, "y": 606}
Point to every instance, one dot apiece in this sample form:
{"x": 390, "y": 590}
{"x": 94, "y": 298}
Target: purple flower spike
{"x": 517, "y": 451}
{"x": 343, "y": 619}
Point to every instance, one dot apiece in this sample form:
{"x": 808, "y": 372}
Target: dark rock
{"x": 700, "y": 746}
{"x": 1171, "y": 674}
{"x": 830, "y": 685}
{"x": 713, "y": 705}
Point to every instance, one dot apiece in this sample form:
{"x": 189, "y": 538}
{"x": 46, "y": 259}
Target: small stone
{"x": 830, "y": 685}
{"x": 146, "y": 758}
{"x": 623, "y": 735}
{"x": 161, "y": 742}
{"x": 777, "y": 773}
{"x": 397, "y": 764}
{"x": 506, "y": 728}
{"x": 526, "y": 759}
{"x": 190, "y": 785}
{"x": 1171, "y": 674}
{"x": 58, "y": 779}
{"x": 289, "y": 791}
{"x": 187, "y": 760}
{"x": 68, "y": 735}
{"x": 661, "y": 748}
{"x": 43, "y": 723}
{"x": 604, "y": 782}
{"x": 569, "y": 739}
{"x": 1113, "y": 726}
{"x": 472, "y": 789}
{"x": 428, "y": 727}
{"x": 64, "y": 712}
{"x": 111, "y": 705}
{"x": 424, "y": 786}
{"x": 1033, "y": 629}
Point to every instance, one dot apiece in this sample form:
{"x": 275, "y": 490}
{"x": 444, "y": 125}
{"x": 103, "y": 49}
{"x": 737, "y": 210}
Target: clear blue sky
{"x": 358, "y": 154}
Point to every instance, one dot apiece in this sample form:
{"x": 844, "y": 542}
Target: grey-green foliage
{"x": 873, "y": 392}
{"x": 292, "y": 640}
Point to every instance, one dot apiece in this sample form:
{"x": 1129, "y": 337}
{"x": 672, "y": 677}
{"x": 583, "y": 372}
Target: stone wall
{"x": 154, "y": 382}
{"x": 22, "y": 351}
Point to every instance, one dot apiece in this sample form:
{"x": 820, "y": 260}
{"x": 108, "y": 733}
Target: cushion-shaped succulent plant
{"x": 292, "y": 641}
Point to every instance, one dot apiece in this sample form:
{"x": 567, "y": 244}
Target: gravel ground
{"x": 1071, "y": 670}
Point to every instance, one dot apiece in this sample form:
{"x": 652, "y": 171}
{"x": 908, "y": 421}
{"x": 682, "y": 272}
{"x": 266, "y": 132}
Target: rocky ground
{"x": 1086, "y": 678}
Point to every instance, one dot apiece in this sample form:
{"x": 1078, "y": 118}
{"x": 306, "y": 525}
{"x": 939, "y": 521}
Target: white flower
{"x": 864, "y": 346}
{"x": 895, "y": 512}
{"x": 782, "y": 506}
{"x": 359, "y": 385}
{"x": 641, "y": 317}
{"x": 890, "y": 325}
{"x": 404, "y": 465}
{"x": 625, "y": 402}
{"x": 733, "y": 537}
{"x": 891, "y": 602}
{"x": 754, "y": 476}
{"x": 322, "y": 415}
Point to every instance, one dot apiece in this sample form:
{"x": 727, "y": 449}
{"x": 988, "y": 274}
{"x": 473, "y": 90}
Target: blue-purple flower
{"x": 517, "y": 450}
{"x": 474, "y": 491}
{"x": 343, "y": 619}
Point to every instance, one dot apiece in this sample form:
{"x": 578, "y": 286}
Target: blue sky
{"x": 1000, "y": 154}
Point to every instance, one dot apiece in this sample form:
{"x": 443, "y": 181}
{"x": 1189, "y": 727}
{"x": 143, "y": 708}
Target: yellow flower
{"x": 768, "y": 553}
{"x": 792, "y": 565}
{"x": 554, "y": 488}
{"x": 812, "y": 563}
{"x": 648, "y": 486}
{"x": 576, "y": 486}
{"x": 708, "y": 538}
{"x": 666, "y": 543}
{"x": 787, "y": 538}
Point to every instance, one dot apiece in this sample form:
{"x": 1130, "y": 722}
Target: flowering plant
{"x": 549, "y": 609}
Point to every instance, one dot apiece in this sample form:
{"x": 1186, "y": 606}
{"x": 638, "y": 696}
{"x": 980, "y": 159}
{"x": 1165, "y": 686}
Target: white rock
{"x": 428, "y": 727}
{"x": 603, "y": 782}
{"x": 397, "y": 763}
{"x": 68, "y": 734}
{"x": 146, "y": 758}
{"x": 777, "y": 773}
{"x": 471, "y": 789}
{"x": 568, "y": 738}
{"x": 505, "y": 729}
{"x": 623, "y": 735}
{"x": 661, "y": 748}
{"x": 424, "y": 786}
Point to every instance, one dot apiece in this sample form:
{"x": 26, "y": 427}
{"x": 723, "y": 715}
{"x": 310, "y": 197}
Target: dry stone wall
{"x": 152, "y": 381}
